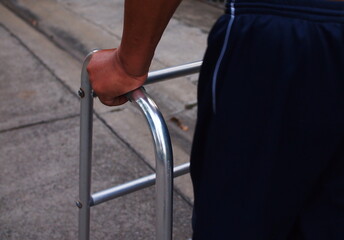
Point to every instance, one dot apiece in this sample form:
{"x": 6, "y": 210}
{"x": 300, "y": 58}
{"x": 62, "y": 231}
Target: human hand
{"x": 108, "y": 78}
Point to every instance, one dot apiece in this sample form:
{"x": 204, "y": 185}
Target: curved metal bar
{"x": 173, "y": 72}
{"x": 164, "y": 162}
{"x": 163, "y": 152}
{"x": 86, "y": 126}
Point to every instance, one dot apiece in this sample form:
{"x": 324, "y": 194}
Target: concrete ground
{"x": 43, "y": 43}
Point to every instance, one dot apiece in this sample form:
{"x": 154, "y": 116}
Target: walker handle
{"x": 164, "y": 161}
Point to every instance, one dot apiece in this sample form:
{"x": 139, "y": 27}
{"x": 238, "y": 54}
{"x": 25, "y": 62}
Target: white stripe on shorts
{"x": 223, "y": 50}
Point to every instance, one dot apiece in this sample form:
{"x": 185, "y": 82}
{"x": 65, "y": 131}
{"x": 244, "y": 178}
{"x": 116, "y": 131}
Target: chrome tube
{"x": 133, "y": 186}
{"x": 163, "y": 153}
{"x": 85, "y": 161}
{"x": 173, "y": 72}
{"x": 164, "y": 162}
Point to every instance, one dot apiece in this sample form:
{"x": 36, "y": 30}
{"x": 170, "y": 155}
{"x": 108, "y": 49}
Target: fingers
{"x": 114, "y": 101}
{"x": 108, "y": 78}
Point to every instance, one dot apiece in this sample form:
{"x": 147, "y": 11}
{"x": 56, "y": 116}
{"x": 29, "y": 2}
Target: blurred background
{"x": 43, "y": 44}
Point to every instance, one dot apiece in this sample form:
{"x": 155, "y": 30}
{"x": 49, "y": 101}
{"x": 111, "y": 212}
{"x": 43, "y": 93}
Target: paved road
{"x": 42, "y": 45}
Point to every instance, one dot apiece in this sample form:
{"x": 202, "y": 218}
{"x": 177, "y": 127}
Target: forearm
{"x": 144, "y": 23}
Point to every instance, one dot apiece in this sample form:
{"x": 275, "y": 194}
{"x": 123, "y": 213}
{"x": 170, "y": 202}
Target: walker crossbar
{"x": 173, "y": 72}
{"x": 163, "y": 153}
{"x": 133, "y": 186}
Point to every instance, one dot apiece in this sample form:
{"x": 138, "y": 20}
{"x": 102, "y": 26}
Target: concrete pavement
{"x": 39, "y": 121}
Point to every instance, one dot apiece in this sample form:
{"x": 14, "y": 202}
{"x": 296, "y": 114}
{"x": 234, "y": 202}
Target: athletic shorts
{"x": 268, "y": 156}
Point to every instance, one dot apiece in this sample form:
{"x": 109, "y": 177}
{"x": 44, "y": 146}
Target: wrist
{"x": 135, "y": 65}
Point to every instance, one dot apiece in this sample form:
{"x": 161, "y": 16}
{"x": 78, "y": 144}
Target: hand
{"x": 108, "y": 78}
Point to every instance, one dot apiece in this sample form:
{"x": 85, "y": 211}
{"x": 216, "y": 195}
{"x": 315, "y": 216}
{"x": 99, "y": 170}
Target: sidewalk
{"x": 39, "y": 124}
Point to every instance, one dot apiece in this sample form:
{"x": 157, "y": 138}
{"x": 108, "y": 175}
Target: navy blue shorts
{"x": 268, "y": 155}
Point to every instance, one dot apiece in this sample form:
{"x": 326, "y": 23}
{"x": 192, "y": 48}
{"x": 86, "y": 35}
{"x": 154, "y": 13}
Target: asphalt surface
{"x": 43, "y": 43}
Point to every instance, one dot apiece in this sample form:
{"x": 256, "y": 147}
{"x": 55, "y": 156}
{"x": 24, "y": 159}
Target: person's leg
{"x": 323, "y": 214}
{"x": 258, "y": 160}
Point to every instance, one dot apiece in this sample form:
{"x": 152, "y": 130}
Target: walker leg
{"x": 86, "y": 128}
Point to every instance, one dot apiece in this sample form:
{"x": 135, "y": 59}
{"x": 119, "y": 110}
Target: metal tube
{"x": 164, "y": 162}
{"x": 86, "y": 126}
{"x": 174, "y": 72}
{"x": 163, "y": 153}
{"x": 133, "y": 186}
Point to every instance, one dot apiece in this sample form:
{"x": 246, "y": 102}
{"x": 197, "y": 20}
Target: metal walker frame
{"x": 163, "y": 153}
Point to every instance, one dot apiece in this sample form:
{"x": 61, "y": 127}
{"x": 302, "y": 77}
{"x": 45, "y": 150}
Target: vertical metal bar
{"x": 164, "y": 162}
{"x": 86, "y": 128}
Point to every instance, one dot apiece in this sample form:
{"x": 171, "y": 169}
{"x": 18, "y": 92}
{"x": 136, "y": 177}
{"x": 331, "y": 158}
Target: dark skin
{"x": 115, "y": 72}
